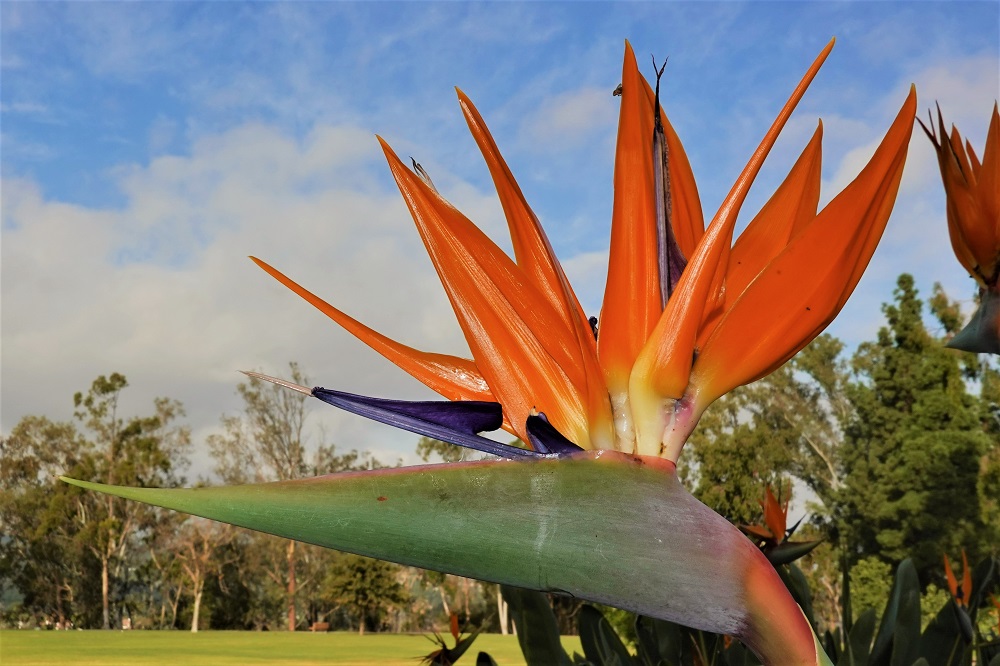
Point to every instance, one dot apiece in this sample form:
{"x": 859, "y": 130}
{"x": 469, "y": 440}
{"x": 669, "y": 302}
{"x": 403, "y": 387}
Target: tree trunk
{"x": 61, "y": 617}
{"x": 174, "y": 603}
{"x": 502, "y": 612}
{"x": 290, "y": 556}
{"x": 104, "y": 593}
{"x": 361, "y": 624}
{"x": 199, "y": 587}
{"x": 444, "y": 602}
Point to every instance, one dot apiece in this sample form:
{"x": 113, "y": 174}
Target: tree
{"x": 429, "y": 448}
{"x": 60, "y": 547}
{"x": 368, "y": 588}
{"x": 38, "y": 557}
{"x": 198, "y": 548}
{"x": 142, "y": 451}
{"x": 912, "y": 446}
{"x": 268, "y": 442}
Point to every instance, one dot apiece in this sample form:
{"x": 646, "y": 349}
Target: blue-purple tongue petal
{"x": 546, "y": 439}
{"x": 455, "y": 422}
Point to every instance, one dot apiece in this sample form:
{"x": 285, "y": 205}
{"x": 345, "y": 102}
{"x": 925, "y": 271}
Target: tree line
{"x": 895, "y": 449}
{"x": 80, "y": 559}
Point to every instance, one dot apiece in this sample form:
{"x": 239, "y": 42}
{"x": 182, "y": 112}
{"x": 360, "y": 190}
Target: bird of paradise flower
{"x": 972, "y": 190}
{"x": 592, "y": 506}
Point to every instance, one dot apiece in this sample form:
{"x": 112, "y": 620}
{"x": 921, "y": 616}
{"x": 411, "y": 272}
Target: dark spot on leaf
{"x": 382, "y": 498}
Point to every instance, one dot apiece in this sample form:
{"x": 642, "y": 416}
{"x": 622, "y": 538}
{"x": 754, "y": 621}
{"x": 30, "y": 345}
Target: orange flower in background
{"x": 687, "y": 315}
{"x": 972, "y": 188}
{"x": 773, "y": 536}
{"x": 960, "y": 594}
{"x": 775, "y": 519}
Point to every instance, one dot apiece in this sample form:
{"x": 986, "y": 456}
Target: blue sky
{"x": 147, "y": 148}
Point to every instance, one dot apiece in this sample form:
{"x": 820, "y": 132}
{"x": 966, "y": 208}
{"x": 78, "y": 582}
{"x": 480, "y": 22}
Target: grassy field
{"x": 181, "y": 648}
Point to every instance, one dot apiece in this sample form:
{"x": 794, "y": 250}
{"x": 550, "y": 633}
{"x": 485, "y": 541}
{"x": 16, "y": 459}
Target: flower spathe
{"x": 737, "y": 313}
{"x": 972, "y": 191}
{"x": 611, "y": 522}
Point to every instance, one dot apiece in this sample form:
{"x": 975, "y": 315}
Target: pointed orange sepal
{"x": 631, "y": 305}
{"x": 775, "y": 515}
{"x": 803, "y": 288}
{"x": 961, "y": 594}
{"x": 663, "y": 368}
{"x": 787, "y": 212}
{"x": 759, "y": 531}
{"x": 532, "y": 249}
{"x": 453, "y": 377}
{"x": 989, "y": 183}
{"x": 537, "y": 260}
{"x": 517, "y": 340}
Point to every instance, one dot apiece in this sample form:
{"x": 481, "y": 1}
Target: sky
{"x": 148, "y": 148}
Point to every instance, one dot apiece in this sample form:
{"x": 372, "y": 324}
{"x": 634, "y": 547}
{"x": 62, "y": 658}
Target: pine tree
{"x": 912, "y": 446}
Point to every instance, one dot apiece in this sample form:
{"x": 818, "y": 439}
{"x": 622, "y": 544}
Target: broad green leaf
{"x": 859, "y": 641}
{"x": 537, "y": 631}
{"x": 659, "y": 642}
{"x": 602, "y": 526}
{"x": 899, "y": 631}
{"x": 485, "y": 659}
{"x": 601, "y": 645}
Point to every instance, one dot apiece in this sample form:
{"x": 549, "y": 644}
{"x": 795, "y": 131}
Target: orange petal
{"x": 805, "y": 286}
{"x": 989, "y": 184}
{"x": 631, "y": 303}
{"x": 973, "y": 159}
{"x": 454, "y": 378}
{"x": 774, "y": 516}
{"x": 788, "y": 211}
{"x": 950, "y": 577}
{"x": 958, "y": 150}
{"x": 966, "y": 579}
{"x": 518, "y": 342}
{"x": 538, "y": 262}
{"x": 758, "y": 531}
{"x": 971, "y": 240}
{"x": 662, "y": 369}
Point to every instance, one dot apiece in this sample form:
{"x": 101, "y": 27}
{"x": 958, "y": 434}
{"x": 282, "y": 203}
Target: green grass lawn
{"x": 182, "y": 648}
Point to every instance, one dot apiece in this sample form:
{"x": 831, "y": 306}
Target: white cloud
{"x": 161, "y": 289}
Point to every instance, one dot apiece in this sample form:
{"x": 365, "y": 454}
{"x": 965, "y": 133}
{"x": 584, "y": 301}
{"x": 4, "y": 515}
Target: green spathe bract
{"x": 603, "y": 526}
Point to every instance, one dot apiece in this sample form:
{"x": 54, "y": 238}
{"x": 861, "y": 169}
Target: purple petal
{"x": 546, "y": 439}
{"x": 455, "y": 422}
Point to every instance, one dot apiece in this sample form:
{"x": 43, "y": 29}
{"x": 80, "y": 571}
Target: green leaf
{"x": 789, "y": 551}
{"x": 601, "y": 644}
{"x": 537, "y": 631}
{"x": 984, "y": 576}
{"x": 464, "y": 644}
{"x": 796, "y": 582}
{"x": 899, "y": 632}
{"x": 942, "y": 641}
{"x": 859, "y": 642}
{"x": 659, "y": 641}
{"x": 485, "y": 660}
{"x": 602, "y": 526}
{"x": 599, "y": 526}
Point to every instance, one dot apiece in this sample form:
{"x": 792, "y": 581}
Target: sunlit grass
{"x": 181, "y": 648}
